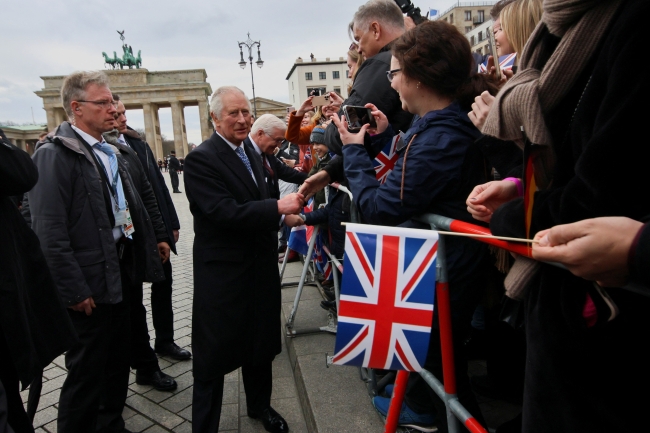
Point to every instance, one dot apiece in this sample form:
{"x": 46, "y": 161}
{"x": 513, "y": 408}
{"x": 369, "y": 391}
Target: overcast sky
{"x": 42, "y": 38}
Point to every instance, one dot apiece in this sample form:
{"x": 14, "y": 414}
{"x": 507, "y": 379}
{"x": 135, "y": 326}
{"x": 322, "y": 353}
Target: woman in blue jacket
{"x": 438, "y": 166}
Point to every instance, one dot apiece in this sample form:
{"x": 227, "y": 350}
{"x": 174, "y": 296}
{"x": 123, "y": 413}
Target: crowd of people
{"x": 546, "y": 149}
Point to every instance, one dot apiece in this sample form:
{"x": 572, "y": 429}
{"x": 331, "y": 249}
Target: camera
{"x": 411, "y": 11}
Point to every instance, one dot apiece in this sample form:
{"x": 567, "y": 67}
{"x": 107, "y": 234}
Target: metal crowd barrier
{"x": 309, "y": 268}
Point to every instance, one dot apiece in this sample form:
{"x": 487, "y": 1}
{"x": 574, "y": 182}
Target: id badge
{"x": 120, "y": 217}
{"x": 128, "y": 226}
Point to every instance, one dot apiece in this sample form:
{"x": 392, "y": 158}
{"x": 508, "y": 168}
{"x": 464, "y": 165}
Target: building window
{"x": 322, "y": 75}
{"x": 292, "y": 85}
{"x": 338, "y": 90}
{"x": 317, "y": 91}
{"x": 472, "y": 42}
{"x": 347, "y": 73}
{"x": 468, "y": 29}
{"x": 468, "y": 15}
{"x": 480, "y": 36}
{"x": 308, "y": 76}
{"x": 481, "y": 16}
{"x": 451, "y": 18}
{"x": 336, "y": 75}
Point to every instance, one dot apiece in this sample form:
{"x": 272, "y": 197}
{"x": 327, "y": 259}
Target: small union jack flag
{"x": 300, "y": 236}
{"x": 387, "y": 293}
{"x": 385, "y": 162}
{"x": 506, "y": 61}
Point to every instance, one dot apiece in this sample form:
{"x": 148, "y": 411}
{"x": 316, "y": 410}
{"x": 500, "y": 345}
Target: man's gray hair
{"x": 74, "y": 87}
{"x": 268, "y": 123}
{"x": 216, "y": 100}
{"x": 385, "y": 12}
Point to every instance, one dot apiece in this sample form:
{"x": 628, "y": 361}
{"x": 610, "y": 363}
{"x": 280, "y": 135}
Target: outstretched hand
{"x": 305, "y": 107}
{"x": 480, "y": 109}
{"x": 380, "y": 119}
{"x": 314, "y": 183}
{"x": 291, "y": 204}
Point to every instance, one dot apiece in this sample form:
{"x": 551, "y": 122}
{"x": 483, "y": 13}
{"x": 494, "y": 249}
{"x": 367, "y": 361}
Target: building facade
{"x": 479, "y": 37}
{"x": 24, "y": 136}
{"x": 467, "y": 16}
{"x": 322, "y": 75}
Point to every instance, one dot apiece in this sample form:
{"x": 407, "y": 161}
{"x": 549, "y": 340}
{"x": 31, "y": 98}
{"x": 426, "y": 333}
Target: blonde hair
{"x": 518, "y": 20}
{"x": 358, "y": 58}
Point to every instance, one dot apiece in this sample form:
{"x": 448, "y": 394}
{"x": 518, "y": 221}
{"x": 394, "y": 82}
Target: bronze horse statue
{"x": 115, "y": 62}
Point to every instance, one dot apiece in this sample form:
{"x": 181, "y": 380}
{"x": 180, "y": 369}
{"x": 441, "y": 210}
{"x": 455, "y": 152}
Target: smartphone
{"x": 320, "y": 100}
{"x": 495, "y": 56}
{"x": 357, "y": 117}
{"x": 290, "y": 109}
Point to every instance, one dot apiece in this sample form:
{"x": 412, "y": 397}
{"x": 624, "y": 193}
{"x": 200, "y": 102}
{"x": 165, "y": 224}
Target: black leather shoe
{"x": 158, "y": 379}
{"x": 273, "y": 421}
{"x": 173, "y": 351}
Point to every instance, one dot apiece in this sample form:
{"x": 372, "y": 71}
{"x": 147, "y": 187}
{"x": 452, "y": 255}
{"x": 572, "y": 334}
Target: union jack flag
{"x": 506, "y": 61}
{"x": 387, "y": 293}
{"x": 300, "y": 236}
{"x": 322, "y": 261}
{"x": 385, "y": 162}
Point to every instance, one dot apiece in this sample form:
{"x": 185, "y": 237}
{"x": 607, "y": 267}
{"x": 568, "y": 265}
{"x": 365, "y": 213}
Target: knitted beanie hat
{"x": 317, "y": 136}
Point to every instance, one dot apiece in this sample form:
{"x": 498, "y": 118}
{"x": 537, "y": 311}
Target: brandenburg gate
{"x": 139, "y": 88}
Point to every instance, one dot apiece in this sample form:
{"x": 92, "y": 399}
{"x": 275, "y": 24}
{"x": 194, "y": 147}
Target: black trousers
{"x": 16, "y": 416}
{"x": 142, "y": 356}
{"x": 94, "y": 392}
{"x": 208, "y": 395}
{"x": 173, "y": 174}
{"x": 161, "y": 307}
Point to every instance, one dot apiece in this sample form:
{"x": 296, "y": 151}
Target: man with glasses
{"x": 375, "y": 25}
{"x": 266, "y": 135}
{"x": 96, "y": 237}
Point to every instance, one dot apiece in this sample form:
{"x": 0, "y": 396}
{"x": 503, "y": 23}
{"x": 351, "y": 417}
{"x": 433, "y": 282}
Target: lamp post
{"x": 250, "y": 44}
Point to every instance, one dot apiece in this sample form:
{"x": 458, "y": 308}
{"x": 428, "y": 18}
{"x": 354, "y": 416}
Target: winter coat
{"x": 69, "y": 215}
{"x": 34, "y": 321}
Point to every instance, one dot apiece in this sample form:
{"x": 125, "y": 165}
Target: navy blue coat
{"x": 442, "y": 168}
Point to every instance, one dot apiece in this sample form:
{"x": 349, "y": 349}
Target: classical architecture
{"x": 322, "y": 75}
{"x": 24, "y": 136}
{"x": 140, "y": 88}
{"x": 269, "y": 106}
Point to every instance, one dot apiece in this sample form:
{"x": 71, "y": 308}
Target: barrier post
{"x": 305, "y": 268}
{"x": 396, "y": 400}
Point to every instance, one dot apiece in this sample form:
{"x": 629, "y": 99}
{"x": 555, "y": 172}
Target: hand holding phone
{"x": 357, "y": 116}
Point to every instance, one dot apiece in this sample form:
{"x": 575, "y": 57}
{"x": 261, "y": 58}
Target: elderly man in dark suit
{"x": 236, "y": 312}
{"x": 266, "y": 135}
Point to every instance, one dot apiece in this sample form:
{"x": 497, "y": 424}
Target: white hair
{"x": 268, "y": 123}
{"x": 216, "y": 100}
{"x": 74, "y": 87}
{"x": 385, "y": 12}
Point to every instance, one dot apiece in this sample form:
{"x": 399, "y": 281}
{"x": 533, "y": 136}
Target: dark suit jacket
{"x": 280, "y": 171}
{"x": 155, "y": 176}
{"x": 236, "y": 313}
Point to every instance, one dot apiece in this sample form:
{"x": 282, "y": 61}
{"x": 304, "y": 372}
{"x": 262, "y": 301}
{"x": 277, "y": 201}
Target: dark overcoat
{"x": 236, "y": 312}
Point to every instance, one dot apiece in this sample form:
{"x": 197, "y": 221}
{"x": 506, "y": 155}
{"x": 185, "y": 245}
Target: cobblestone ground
{"x": 152, "y": 411}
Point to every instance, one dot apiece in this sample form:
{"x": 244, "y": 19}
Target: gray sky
{"x": 41, "y": 38}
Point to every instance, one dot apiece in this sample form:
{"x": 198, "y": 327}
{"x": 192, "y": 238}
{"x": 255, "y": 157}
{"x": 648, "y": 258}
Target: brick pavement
{"x": 151, "y": 411}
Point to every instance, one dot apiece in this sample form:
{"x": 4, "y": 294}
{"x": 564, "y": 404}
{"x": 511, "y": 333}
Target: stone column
{"x": 59, "y": 116}
{"x": 20, "y": 143}
{"x": 180, "y": 134}
{"x": 204, "y": 120}
{"x": 152, "y": 129}
{"x": 51, "y": 120}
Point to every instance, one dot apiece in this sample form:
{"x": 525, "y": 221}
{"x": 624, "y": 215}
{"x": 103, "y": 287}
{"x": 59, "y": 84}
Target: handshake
{"x": 291, "y": 204}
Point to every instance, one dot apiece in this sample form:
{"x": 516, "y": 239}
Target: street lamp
{"x": 250, "y": 44}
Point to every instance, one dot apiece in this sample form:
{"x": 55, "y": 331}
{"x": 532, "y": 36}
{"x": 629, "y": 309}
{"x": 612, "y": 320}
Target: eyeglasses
{"x": 102, "y": 103}
{"x": 277, "y": 140}
{"x": 390, "y": 74}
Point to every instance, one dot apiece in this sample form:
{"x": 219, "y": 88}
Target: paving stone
{"x": 231, "y": 392}
{"x": 49, "y": 399}
{"x": 137, "y": 423}
{"x": 186, "y": 413}
{"x": 156, "y": 429}
{"x": 49, "y": 427}
{"x": 186, "y": 427}
{"x": 127, "y": 413}
{"x": 179, "y": 368}
{"x": 229, "y": 417}
{"x": 153, "y": 411}
{"x": 44, "y": 416}
{"x": 179, "y": 401}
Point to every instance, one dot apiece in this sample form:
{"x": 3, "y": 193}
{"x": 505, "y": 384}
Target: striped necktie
{"x": 242, "y": 155}
{"x": 116, "y": 181}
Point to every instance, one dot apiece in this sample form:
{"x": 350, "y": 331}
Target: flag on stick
{"x": 387, "y": 294}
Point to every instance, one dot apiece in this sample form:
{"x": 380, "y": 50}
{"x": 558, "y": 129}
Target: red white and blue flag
{"x": 506, "y": 61}
{"x": 300, "y": 236}
{"x": 384, "y": 163}
{"x": 387, "y": 293}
